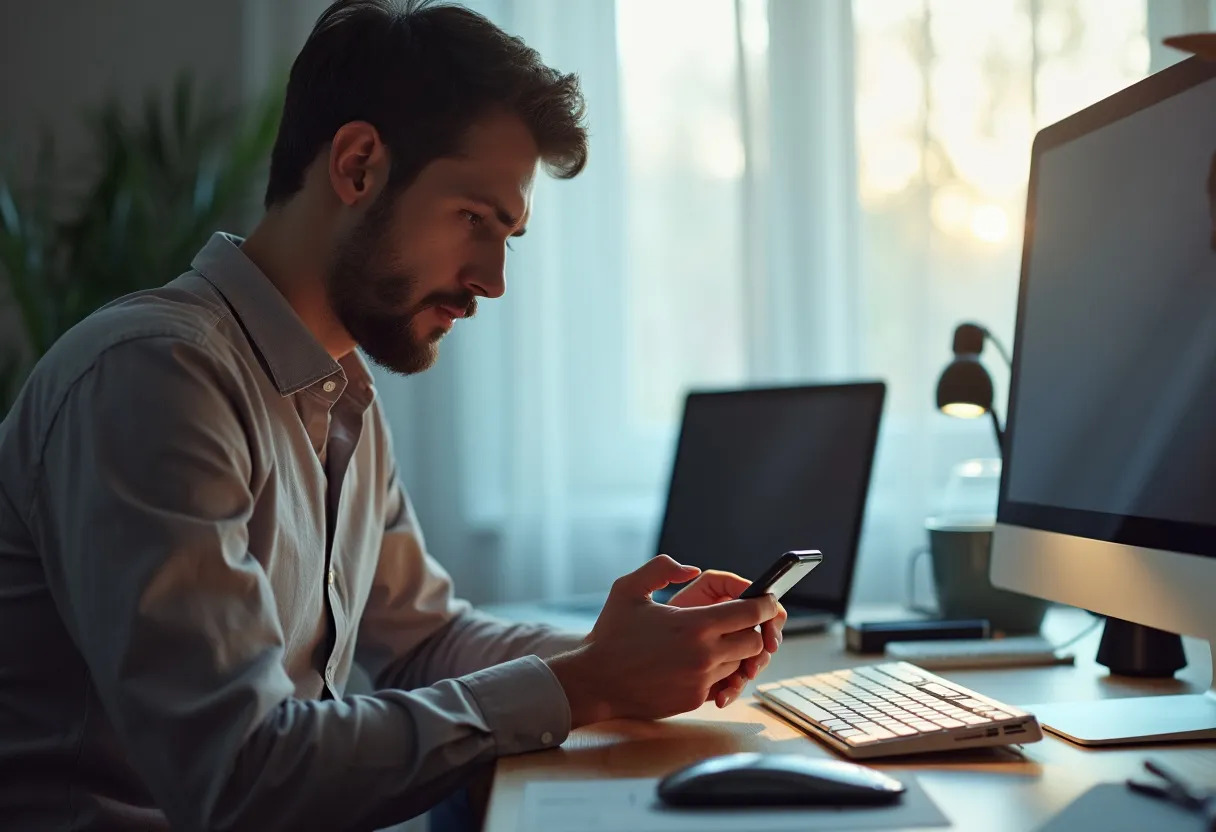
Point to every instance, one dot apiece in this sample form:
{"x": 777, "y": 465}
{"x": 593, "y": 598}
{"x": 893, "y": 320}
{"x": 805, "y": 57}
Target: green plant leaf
{"x": 160, "y": 182}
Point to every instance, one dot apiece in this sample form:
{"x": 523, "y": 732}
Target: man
{"x": 201, "y": 526}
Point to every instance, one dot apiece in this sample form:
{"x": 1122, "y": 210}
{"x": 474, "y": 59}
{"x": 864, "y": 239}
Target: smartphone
{"x": 788, "y": 570}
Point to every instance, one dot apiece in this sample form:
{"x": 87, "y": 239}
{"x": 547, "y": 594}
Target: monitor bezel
{"x": 1174, "y": 536}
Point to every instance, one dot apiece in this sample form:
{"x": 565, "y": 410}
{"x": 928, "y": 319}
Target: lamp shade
{"x": 965, "y": 388}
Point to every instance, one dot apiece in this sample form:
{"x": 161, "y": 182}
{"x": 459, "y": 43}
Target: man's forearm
{"x": 472, "y": 641}
{"x": 370, "y": 761}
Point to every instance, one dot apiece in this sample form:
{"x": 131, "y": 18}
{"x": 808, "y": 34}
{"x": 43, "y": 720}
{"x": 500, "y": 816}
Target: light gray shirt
{"x": 201, "y": 527}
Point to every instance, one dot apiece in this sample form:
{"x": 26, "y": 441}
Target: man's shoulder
{"x": 133, "y": 334}
{"x": 187, "y": 310}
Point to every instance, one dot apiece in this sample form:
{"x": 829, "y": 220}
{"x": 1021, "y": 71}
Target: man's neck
{"x": 292, "y": 251}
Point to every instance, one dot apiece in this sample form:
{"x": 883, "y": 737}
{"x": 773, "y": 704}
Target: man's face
{"x": 419, "y": 258}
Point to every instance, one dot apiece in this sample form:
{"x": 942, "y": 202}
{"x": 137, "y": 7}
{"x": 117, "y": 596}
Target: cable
{"x": 1071, "y": 641}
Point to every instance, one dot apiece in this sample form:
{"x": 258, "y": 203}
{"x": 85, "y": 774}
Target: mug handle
{"x": 913, "y": 559}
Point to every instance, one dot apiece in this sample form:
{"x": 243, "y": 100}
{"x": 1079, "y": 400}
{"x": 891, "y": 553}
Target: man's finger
{"x": 734, "y": 686}
{"x": 725, "y": 583}
{"x": 738, "y": 646}
{"x": 771, "y": 634}
{"x": 752, "y": 667}
{"x": 732, "y": 616}
{"x": 727, "y": 689}
{"x": 652, "y": 576}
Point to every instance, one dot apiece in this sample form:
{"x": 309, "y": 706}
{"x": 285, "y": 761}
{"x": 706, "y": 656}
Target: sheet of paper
{"x": 631, "y": 805}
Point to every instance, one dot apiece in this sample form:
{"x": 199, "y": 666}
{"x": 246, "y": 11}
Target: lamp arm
{"x": 996, "y": 422}
{"x": 1000, "y": 434}
{"x": 1000, "y": 348}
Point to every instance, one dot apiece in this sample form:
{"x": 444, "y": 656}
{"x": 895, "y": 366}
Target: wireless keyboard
{"x": 1015, "y": 651}
{"x": 895, "y": 708}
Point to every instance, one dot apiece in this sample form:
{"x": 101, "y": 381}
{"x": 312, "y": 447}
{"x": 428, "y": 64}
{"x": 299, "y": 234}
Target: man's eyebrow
{"x": 501, "y": 214}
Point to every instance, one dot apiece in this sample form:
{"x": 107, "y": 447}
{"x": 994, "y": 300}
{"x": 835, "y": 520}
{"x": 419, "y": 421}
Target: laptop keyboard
{"x": 879, "y": 708}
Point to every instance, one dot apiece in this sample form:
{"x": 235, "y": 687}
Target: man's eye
{"x": 473, "y": 218}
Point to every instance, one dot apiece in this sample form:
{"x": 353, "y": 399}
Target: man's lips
{"x": 447, "y": 315}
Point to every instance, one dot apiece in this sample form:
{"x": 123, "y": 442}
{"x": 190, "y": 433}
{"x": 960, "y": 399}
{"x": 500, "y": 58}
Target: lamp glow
{"x": 963, "y": 410}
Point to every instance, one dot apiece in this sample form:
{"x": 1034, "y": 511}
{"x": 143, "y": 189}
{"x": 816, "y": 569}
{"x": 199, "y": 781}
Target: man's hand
{"x": 714, "y": 587}
{"x": 647, "y": 660}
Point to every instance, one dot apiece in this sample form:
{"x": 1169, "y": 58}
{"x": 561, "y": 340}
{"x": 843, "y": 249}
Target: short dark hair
{"x": 421, "y": 73}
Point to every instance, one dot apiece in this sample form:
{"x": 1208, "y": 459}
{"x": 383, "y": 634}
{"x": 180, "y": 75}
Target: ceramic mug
{"x": 959, "y": 550}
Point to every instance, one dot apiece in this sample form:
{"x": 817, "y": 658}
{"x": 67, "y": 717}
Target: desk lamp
{"x": 965, "y": 388}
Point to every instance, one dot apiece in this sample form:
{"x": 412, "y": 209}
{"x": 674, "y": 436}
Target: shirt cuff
{"x": 523, "y": 704}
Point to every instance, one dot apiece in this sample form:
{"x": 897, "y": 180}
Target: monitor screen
{"x": 762, "y": 472}
{"x": 1112, "y": 428}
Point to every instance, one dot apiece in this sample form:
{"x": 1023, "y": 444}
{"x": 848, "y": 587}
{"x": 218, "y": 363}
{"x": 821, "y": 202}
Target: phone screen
{"x": 781, "y": 577}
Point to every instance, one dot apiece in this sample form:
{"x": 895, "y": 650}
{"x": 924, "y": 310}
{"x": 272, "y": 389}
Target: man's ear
{"x": 358, "y": 163}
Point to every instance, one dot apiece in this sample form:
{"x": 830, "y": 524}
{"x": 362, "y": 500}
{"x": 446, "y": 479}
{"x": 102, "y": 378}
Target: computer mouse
{"x": 751, "y": 779}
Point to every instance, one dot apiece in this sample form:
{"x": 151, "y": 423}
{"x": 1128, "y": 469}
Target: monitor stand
{"x": 1135, "y": 720}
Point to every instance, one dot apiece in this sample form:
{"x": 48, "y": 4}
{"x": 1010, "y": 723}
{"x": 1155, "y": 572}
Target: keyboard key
{"x": 902, "y": 730}
{"x": 948, "y": 723}
{"x": 925, "y": 727}
{"x": 972, "y": 719}
{"x": 902, "y": 671}
{"x": 880, "y": 733}
{"x": 861, "y": 739}
{"x": 798, "y": 704}
{"x": 943, "y": 691}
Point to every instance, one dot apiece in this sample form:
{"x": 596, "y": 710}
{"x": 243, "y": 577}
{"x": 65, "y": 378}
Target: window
{"x": 684, "y": 159}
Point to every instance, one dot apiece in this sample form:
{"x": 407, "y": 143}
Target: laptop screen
{"x": 761, "y": 472}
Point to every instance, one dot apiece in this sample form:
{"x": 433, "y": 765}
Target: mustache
{"x": 456, "y": 300}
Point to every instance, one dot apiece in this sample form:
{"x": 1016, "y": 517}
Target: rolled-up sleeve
{"x": 140, "y": 511}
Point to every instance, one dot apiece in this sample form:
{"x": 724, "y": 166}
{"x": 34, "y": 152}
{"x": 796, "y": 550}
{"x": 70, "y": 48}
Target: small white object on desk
{"x": 957, "y": 654}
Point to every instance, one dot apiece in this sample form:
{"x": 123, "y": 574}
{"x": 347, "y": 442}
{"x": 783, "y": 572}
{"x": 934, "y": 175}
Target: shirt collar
{"x": 294, "y": 357}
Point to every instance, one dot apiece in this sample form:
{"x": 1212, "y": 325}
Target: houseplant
{"x": 158, "y": 182}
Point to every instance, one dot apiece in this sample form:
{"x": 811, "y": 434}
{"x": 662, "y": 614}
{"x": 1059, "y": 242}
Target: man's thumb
{"x": 653, "y": 575}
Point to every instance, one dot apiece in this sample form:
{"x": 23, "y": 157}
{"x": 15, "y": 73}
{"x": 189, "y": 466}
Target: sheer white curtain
{"x": 537, "y": 450}
{"x": 779, "y": 191}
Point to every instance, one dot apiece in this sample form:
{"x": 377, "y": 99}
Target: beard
{"x": 374, "y": 298}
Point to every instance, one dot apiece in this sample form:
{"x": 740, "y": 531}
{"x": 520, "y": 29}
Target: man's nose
{"x": 489, "y": 278}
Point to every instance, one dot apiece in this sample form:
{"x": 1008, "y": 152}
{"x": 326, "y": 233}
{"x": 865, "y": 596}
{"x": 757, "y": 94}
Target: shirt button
{"x": 546, "y": 738}
{"x": 329, "y": 386}
{"x": 333, "y": 576}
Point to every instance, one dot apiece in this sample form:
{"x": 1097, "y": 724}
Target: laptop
{"x": 758, "y": 472}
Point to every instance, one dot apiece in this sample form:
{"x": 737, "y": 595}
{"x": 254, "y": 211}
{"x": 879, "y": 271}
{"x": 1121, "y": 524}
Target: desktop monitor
{"x": 1108, "y": 493}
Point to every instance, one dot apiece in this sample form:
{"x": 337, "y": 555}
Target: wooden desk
{"x": 993, "y": 791}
